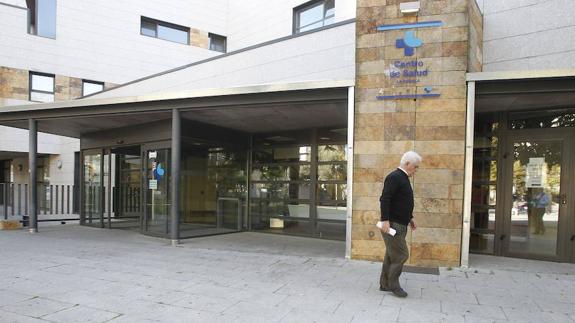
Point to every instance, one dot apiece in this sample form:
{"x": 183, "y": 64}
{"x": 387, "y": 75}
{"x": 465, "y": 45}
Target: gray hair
{"x": 410, "y": 157}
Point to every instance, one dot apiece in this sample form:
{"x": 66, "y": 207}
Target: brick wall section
{"x": 14, "y": 84}
{"x": 475, "y": 63}
{"x": 199, "y": 38}
{"x": 67, "y": 88}
{"x": 434, "y": 127}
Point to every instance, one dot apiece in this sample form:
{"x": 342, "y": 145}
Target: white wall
{"x": 100, "y": 40}
{"x": 320, "y": 56}
{"x": 256, "y": 21}
{"x": 58, "y": 147}
{"x": 528, "y": 35}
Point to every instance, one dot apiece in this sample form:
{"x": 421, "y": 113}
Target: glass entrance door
{"x": 92, "y": 188}
{"x": 539, "y": 220}
{"x": 127, "y": 163}
{"x": 157, "y": 196}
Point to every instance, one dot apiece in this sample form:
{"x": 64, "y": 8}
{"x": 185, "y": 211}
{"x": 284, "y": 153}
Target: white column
{"x": 469, "y": 126}
{"x": 350, "y": 124}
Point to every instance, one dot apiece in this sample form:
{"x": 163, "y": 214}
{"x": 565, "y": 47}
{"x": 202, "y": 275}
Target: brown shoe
{"x": 400, "y": 292}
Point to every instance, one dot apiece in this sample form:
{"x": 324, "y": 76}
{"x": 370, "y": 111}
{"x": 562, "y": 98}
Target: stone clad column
{"x": 411, "y": 95}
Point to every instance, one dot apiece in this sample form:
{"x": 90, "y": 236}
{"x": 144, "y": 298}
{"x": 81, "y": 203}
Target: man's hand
{"x": 412, "y": 224}
{"x": 385, "y": 227}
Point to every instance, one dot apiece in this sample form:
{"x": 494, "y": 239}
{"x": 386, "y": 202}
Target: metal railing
{"x": 54, "y": 201}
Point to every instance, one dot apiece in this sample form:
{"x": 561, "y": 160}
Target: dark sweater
{"x": 396, "y": 201}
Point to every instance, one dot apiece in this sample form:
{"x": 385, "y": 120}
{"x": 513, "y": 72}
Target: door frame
{"x": 566, "y": 224}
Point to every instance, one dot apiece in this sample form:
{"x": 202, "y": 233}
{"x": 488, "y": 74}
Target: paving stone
{"x": 261, "y": 278}
{"x": 414, "y": 315}
{"x": 305, "y": 315}
{"x": 8, "y": 297}
{"x": 205, "y": 303}
{"x": 523, "y": 315}
{"x": 485, "y": 311}
{"x": 427, "y": 305}
{"x": 456, "y": 297}
{"x": 381, "y": 314}
{"x": 17, "y": 318}
{"x": 81, "y": 313}
{"x": 248, "y": 309}
{"x": 37, "y": 307}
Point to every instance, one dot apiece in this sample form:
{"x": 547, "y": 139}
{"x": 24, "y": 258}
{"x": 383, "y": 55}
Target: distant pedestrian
{"x": 396, "y": 203}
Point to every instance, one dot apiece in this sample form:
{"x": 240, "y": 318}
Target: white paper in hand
{"x": 391, "y": 231}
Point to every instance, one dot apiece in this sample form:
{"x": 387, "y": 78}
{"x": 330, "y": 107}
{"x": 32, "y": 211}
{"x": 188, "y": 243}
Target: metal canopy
{"x": 277, "y": 117}
{"x": 233, "y": 108}
{"x": 526, "y": 94}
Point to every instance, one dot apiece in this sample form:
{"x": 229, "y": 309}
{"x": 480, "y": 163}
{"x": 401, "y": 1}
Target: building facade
{"x": 294, "y": 135}
{"x": 58, "y": 50}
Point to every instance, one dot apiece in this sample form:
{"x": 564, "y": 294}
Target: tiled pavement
{"x": 77, "y": 274}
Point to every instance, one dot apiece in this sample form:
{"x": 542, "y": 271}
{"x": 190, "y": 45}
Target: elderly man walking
{"x": 396, "y": 204}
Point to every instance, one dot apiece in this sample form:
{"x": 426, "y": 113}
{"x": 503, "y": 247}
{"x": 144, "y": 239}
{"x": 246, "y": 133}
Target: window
{"x": 41, "y": 87}
{"x": 164, "y": 30}
{"x": 91, "y": 87}
{"x": 218, "y": 43}
{"x": 314, "y": 15}
{"x": 42, "y": 18}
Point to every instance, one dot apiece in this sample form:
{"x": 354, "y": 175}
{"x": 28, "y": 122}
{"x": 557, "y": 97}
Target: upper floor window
{"x": 91, "y": 87}
{"x": 41, "y": 87}
{"x": 165, "y": 30}
{"x": 218, "y": 43}
{"x": 313, "y": 15}
{"x": 42, "y": 17}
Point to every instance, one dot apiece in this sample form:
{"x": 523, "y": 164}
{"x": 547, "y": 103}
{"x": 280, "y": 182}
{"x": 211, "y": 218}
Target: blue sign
{"x": 158, "y": 171}
{"x": 408, "y": 72}
{"x": 408, "y": 43}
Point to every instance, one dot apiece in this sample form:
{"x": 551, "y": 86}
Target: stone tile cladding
{"x": 14, "y": 84}
{"x": 434, "y": 127}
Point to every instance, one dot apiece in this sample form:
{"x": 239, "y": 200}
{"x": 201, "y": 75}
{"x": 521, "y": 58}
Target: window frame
{"x": 217, "y": 35}
{"x": 302, "y": 8}
{"x": 30, "y": 89}
{"x": 164, "y": 24}
{"x": 93, "y": 82}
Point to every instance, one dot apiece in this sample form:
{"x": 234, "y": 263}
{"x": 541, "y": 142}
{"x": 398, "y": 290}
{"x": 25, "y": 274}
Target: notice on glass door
{"x": 535, "y": 172}
{"x": 153, "y": 184}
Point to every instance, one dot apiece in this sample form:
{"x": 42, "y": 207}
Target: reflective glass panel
{"x": 280, "y": 172}
{"x": 92, "y": 189}
{"x": 311, "y": 15}
{"x": 41, "y": 97}
{"x": 217, "y": 43}
{"x": 91, "y": 87}
{"x": 279, "y": 191}
{"x": 332, "y": 172}
{"x": 148, "y": 28}
{"x": 331, "y": 153}
{"x": 172, "y": 34}
{"x": 536, "y": 190}
{"x": 46, "y": 18}
{"x": 42, "y": 83}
